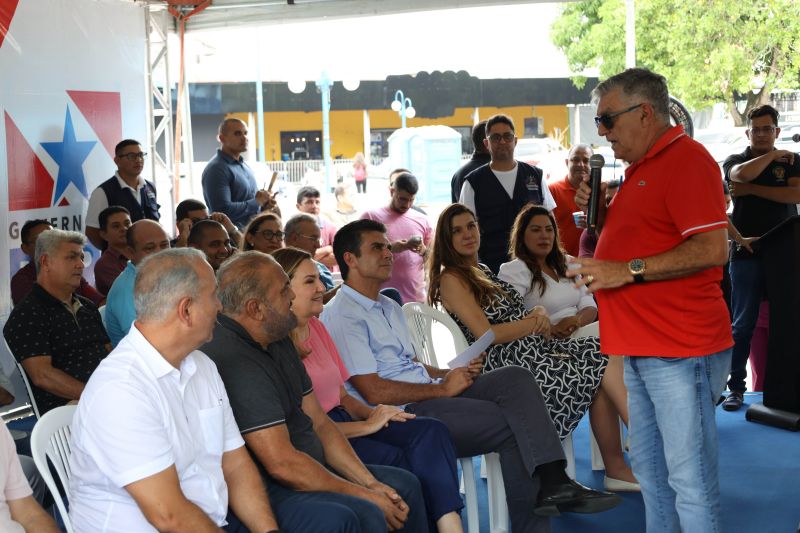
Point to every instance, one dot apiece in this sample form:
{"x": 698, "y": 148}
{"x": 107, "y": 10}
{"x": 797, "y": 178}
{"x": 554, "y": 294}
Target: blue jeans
{"x": 423, "y": 447}
{"x": 328, "y": 512}
{"x": 748, "y": 288}
{"x": 674, "y": 439}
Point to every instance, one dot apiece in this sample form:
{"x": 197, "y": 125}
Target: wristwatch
{"x": 637, "y": 268}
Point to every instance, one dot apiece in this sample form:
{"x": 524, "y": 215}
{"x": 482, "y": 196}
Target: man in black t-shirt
{"x": 56, "y": 335}
{"x": 316, "y": 482}
{"x": 765, "y": 186}
{"x": 480, "y": 157}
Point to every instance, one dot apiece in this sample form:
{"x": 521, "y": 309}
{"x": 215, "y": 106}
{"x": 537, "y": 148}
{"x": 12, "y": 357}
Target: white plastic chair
{"x": 421, "y": 319}
{"x": 50, "y": 440}
{"x": 29, "y": 390}
{"x": 102, "y": 311}
{"x": 24, "y": 380}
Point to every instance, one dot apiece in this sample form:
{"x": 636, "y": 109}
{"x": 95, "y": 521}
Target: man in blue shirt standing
{"x": 229, "y": 184}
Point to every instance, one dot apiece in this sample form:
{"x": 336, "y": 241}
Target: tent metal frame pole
{"x": 159, "y": 103}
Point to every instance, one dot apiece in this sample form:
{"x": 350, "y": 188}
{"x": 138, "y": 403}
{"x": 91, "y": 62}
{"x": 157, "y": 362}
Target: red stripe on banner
{"x": 30, "y": 186}
{"x": 103, "y": 112}
{"x": 7, "y": 9}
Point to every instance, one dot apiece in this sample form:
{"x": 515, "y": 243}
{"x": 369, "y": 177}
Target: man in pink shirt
{"x": 409, "y": 233}
{"x": 19, "y": 511}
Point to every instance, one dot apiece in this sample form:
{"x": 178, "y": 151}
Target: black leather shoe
{"x": 734, "y": 401}
{"x": 572, "y": 497}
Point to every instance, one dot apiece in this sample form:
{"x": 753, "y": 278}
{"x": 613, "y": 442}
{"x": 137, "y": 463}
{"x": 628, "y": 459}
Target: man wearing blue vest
{"x": 498, "y": 190}
{"x": 126, "y": 187}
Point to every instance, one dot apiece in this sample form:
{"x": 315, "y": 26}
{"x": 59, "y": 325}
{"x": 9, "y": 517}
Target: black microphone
{"x": 596, "y": 163}
{"x": 796, "y": 137}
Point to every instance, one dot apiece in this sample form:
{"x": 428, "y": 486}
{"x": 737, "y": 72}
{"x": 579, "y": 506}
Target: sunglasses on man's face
{"x": 608, "y": 119}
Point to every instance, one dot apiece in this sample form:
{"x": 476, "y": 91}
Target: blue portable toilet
{"x": 432, "y": 154}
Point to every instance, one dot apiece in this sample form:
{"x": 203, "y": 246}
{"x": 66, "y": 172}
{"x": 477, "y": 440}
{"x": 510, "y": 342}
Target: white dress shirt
{"x": 561, "y": 299}
{"x": 138, "y": 416}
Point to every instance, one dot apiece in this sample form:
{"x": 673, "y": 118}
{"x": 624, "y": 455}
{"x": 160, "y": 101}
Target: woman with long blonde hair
{"x": 360, "y": 172}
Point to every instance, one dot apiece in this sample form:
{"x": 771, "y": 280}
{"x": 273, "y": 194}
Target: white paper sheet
{"x": 473, "y": 351}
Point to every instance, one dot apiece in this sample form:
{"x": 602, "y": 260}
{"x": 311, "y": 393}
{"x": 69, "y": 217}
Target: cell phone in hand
{"x": 415, "y": 240}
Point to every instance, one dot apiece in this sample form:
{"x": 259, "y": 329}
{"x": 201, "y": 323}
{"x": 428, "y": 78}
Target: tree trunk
{"x": 752, "y": 100}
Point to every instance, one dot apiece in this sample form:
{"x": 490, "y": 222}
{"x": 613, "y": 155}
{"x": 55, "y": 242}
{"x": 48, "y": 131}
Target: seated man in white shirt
{"x": 154, "y": 442}
{"x": 19, "y": 511}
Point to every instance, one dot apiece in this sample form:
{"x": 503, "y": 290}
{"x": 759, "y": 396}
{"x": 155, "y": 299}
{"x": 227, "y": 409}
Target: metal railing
{"x": 309, "y": 169}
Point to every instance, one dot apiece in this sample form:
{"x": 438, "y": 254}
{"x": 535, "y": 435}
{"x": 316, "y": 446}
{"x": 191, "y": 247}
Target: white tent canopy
{"x": 237, "y": 13}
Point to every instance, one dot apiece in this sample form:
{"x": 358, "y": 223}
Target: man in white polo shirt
{"x": 154, "y": 442}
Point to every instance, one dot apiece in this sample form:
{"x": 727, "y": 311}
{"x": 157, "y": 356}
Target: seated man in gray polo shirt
{"x": 316, "y": 482}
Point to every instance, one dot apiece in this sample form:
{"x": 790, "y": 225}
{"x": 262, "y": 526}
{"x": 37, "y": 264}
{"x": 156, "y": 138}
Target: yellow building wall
{"x": 347, "y": 127}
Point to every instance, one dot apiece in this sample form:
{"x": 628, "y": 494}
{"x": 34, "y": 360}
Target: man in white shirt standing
{"x": 498, "y": 190}
{"x": 154, "y": 442}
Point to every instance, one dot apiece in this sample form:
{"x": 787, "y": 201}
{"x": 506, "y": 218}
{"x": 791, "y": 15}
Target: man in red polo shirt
{"x": 563, "y": 192}
{"x": 656, "y": 275}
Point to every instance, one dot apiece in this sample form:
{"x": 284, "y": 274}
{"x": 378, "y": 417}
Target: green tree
{"x": 709, "y": 50}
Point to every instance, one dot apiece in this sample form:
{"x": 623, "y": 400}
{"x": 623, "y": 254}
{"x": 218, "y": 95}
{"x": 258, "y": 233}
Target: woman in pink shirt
{"x": 384, "y": 434}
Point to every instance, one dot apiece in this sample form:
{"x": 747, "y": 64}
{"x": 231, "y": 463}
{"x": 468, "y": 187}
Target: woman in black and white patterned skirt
{"x": 569, "y": 371}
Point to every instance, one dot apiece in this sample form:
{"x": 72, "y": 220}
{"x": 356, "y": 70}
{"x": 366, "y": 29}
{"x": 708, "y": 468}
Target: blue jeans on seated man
{"x": 747, "y": 291}
{"x": 423, "y": 447}
{"x": 671, "y": 404}
{"x": 329, "y": 512}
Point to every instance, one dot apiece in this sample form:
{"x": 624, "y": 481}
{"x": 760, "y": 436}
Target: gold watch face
{"x": 636, "y": 266}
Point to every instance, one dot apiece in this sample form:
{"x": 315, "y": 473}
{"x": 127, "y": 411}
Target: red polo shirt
{"x": 564, "y": 195}
{"x": 673, "y": 192}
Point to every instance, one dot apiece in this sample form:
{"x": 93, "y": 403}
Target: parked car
{"x": 613, "y": 169}
{"x": 721, "y": 143}
{"x": 784, "y": 141}
{"x": 544, "y": 153}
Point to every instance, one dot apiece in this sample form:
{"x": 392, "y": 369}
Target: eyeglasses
{"x": 269, "y": 234}
{"x": 766, "y": 130}
{"x": 134, "y": 156}
{"x": 312, "y": 238}
{"x": 607, "y": 119}
{"x": 496, "y": 137}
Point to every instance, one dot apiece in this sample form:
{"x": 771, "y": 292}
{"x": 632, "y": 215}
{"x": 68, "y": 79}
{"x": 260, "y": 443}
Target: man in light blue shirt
{"x": 498, "y": 411}
{"x": 144, "y": 238}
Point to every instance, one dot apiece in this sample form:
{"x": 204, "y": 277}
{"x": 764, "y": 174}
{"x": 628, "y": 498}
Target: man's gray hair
{"x": 293, "y": 224}
{"x": 587, "y": 147}
{"x": 163, "y": 279}
{"x": 241, "y": 279}
{"x": 641, "y": 85}
{"x": 48, "y": 242}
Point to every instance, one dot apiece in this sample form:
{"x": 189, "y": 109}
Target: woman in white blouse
{"x": 538, "y": 273}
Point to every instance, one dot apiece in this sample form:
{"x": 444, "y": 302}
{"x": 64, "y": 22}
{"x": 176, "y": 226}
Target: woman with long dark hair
{"x": 569, "y": 371}
{"x": 538, "y": 273}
